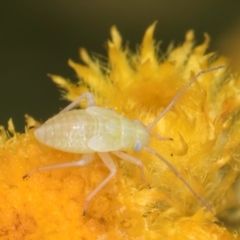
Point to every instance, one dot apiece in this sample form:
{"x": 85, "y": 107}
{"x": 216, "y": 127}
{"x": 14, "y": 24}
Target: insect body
{"x": 103, "y": 131}
{"x": 94, "y": 129}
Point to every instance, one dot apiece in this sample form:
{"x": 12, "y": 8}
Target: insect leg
{"x": 111, "y": 166}
{"x": 87, "y": 95}
{"x": 87, "y": 158}
{"x": 175, "y": 171}
{"x": 133, "y": 160}
{"x": 157, "y": 136}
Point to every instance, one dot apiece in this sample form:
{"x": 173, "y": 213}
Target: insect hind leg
{"x": 87, "y": 158}
{"x": 87, "y": 95}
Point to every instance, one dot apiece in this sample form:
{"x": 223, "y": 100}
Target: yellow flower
{"x": 204, "y": 127}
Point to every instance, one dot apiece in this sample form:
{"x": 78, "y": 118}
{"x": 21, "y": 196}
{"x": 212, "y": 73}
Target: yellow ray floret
{"x": 205, "y": 130}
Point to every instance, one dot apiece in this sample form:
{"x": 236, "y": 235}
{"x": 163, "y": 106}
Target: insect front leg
{"x": 133, "y": 160}
{"x": 111, "y": 166}
{"x": 87, "y": 158}
{"x": 87, "y": 95}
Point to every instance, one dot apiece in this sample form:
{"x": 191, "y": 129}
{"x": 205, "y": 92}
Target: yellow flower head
{"x": 203, "y": 126}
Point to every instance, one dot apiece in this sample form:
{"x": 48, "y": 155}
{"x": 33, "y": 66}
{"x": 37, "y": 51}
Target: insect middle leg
{"x": 111, "y": 166}
{"x": 87, "y": 95}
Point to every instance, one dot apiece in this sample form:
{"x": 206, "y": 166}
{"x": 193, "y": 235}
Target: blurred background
{"x": 38, "y": 37}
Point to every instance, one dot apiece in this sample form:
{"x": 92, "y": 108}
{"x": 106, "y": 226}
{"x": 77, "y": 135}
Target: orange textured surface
{"x": 204, "y": 125}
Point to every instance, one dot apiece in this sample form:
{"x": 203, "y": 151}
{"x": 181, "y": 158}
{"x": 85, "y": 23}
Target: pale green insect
{"x": 103, "y": 131}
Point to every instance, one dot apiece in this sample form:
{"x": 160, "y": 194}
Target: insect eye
{"x": 137, "y": 146}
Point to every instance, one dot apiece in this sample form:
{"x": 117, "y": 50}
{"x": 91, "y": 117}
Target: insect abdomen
{"x": 68, "y": 131}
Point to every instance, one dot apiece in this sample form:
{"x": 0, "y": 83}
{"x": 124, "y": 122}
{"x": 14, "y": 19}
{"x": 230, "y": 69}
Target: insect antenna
{"x": 175, "y": 171}
{"x": 166, "y": 110}
{"x": 163, "y": 113}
